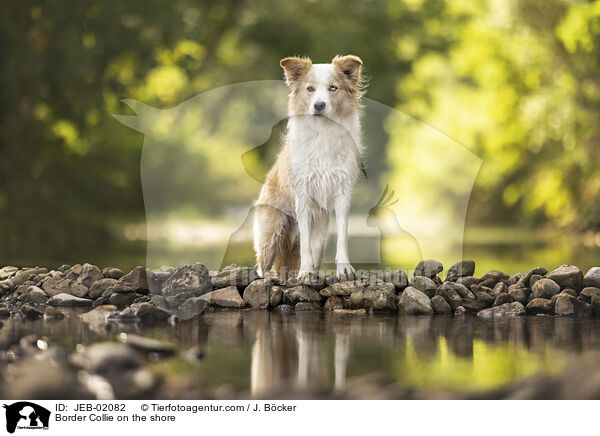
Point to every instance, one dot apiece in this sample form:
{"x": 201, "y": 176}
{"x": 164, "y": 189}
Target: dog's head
{"x": 324, "y": 90}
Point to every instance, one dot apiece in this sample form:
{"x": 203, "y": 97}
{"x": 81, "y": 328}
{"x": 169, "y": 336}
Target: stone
{"x": 89, "y": 275}
{"x": 398, "y": 277}
{"x": 474, "y": 306}
{"x": 137, "y": 280}
{"x": 235, "y": 276}
{"x": 460, "y": 311}
{"x": 440, "y": 306}
{"x": 425, "y": 285}
{"x": 495, "y": 276}
{"x": 484, "y": 294}
{"x": 449, "y": 294}
{"x": 276, "y": 296}
{"x": 539, "y": 306}
{"x": 503, "y": 298}
{"x": 499, "y": 288}
{"x": 384, "y": 302}
{"x": 7, "y": 272}
{"x": 462, "y": 290}
{"x": 301, "y": 293}
{"x": 595, "y": 303}
{"x": 534, "y": 278}
{"x": 507, "y": 310}
{"x": 512, "y": 280}
{"x": 414, "y": 302}
{"x": 113, "y": 273}
{"x": 592, "y": 277}
{"x": 428, "y": 268}
{"x": 185, "y": 282}
{"x": 284, "y": 308}
{"x": 228, "y": 298}
{"x": 68, "y": 300}
{"x": 4, "y": 312}
{"x": 99, "y": 286}
{"x": 78, "y": 290}
{"x": 567, "y": 305}
{"x": 588, "y": 293}
{"x": 468, "y": 281}
{"x": 523, "y": 281}
{"x": 333, "y": 303}
{"x": 147, "y": 345}
{"x": 350, "y": 311}
{"x": 34, "y": 295}
{"x": 30, "y": 312}
{"x": 520, "y": 295}
{"x": 52, "y": 313}
{"x": 98, "y": 314}
{"x": 156, "y": 278}
{"x": 567, "y": 276}
{"x": 545, "y": 288}
{"x": 191, "y": 307}
{"x": 56, "y": 285}
{"x": 342, "y": 289}
{"x": 258, "y": 293}
{"x": 461, "y": 269}
{"x": 148, "y": 311}
{"x": 304, "y": 306}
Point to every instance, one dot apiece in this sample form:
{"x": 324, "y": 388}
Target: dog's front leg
{"x": 344, "y": 270}
{"x": 304, "y": 228}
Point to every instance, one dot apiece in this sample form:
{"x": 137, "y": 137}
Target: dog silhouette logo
{"x": 26, "y": 415}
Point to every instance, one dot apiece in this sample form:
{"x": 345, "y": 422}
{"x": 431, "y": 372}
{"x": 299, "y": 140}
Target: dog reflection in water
{"x": 294, "y": 360}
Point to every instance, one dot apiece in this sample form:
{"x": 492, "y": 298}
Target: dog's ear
{"x": 350, "y": 67}
{"x": 295, "y": 68}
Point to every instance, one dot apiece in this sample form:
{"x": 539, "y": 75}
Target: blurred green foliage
{"x": 516, "y": 82}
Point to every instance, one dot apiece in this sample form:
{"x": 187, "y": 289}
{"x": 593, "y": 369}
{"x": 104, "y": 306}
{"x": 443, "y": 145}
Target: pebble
{"x": 414, "y": 302}
{"x": 506, "y": 310}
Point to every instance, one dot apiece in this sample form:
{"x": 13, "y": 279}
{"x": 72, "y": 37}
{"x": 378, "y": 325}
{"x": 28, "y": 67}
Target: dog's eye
{"x": 333, "y": 88}
{"x": 310, "y": 88}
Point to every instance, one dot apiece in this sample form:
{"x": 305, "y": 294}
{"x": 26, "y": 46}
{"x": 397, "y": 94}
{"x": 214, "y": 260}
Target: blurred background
{"x": 516, "y": 83}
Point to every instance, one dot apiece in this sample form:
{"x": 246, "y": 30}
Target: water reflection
{"x": 261, "y": 352}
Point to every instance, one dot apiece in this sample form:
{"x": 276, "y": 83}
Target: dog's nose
{"x": 319, "y": 106}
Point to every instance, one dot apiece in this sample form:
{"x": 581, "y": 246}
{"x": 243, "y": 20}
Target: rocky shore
{"x": 186, "y": 291}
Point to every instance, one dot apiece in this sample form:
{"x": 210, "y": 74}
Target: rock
{"x": 595, "y": 303}
{"x": 383, "y": 294}
{"x": 53, "y": 313}
{"x": 78, "y": 290}
{"x": 122, "y": 300}
{"x": 89, "y": 275}
{"x": 34, "y": 295}
{"x": 567, "y": 276}
{"x": 474, "y": 306}
{"x": 498, "y": 289}
{"x": 98, "y": 314}
{"x": 68, "y": 300}
{"x": 384, "y": 302}
{"x": 534, "y": 278}
{"x": 185, "y": 282}
{"x": 540, "y": 306}
{"x": 342, "y": 289}
{"x": 7, "y": 272}
{"x": 440, "y": 306}
{"x": 484, "y": 295}
{"x": 147, "y": 345}
{"x": 107, "y": 357}
{"x": 592, "y": 277}
{"x": 414, "y": 302}
{"x": 507, "y": 310}
{"x": 428, "y": 268}
{"x": 4, "y": 312}
{"x": 113, "y": 273}
{"x": 399, "y": 278}
{"x": 122, "y": 316}
{"x": 350, "y": 311}
{"x": 276, "y": 296}
{"x": 258, "y": 293}
{"x": 503, "y": 298}
{"x": 462, "y": 290}
{"x": 30, "y": 312}
{"x": 520, "y": 295}
{"x": 468, "y": 281}
{"x": 157, "y": 278}
{"x": 304, "y": 306}
{"x": 26, "y": 274}
{"x": 56, "y": 285}
{"x": 425, "y": 285}
{"x": 235, "y": 275}
{"x": 545, "y": 288}
{"x": 302, "y": 293}
{"x": 460, "y": 311}
{"x": 588, "y": 293}
{"x": 333, "y": 303}
{"x": 148, "y": 311}
{"x": 447, "y": 291}
{"x": 512, "y": 280}
{"x": 461, "y": 269}
{"x": 567, "y": 305}
{"x": 100, "y": 286}
{"x": 6, "y": 286}
{"x": 228, "y": 297}
{"x": 523, "y": 282}
{"x": 191, "y": 307}
{"x": 137, "y": 281}
{"x": 495, "y": 276}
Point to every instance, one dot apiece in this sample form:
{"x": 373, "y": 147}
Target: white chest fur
{"x": 325, "y": 157}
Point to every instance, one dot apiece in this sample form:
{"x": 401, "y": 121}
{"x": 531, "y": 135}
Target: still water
{"x": 257, "y": 352}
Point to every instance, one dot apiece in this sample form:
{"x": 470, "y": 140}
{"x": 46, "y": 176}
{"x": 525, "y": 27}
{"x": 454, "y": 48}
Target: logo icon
{"x": 26, "y": 415}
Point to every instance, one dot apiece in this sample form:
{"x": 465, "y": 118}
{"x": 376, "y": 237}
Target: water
{"x": 257, "y": 352}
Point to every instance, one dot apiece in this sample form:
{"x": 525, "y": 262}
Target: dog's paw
{"x": 305, "y": 275}
{"x": 345, "y": 272}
